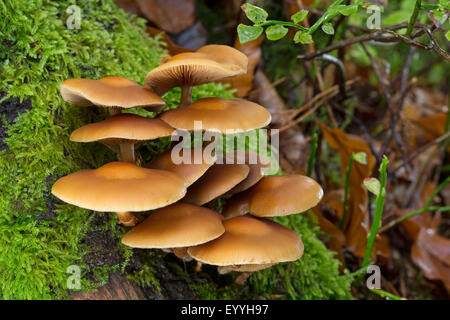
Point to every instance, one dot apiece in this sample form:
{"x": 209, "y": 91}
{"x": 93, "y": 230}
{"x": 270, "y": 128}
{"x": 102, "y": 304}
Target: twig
{"x": 419, "y": 151}
{"x": 319, "y": 96}
{"x": 340, "y": 66}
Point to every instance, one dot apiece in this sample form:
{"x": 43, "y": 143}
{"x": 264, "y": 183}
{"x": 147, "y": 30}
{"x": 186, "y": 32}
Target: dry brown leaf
{"x": 244, "y": 83}
{"x": 431, "y": 254}
{"x": 433, "y": 126}
{"x": 129, "y": 6}
{"x": 172, "y": 16}
{"x": 173, "y": 48}
{"x": 357, "y": 222}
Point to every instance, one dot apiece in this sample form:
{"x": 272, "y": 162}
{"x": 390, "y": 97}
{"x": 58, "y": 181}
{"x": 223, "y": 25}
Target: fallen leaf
{"x": 431, "y": 254}
{"x": 433, "y": 126}
{"x": 172, "y": 16}
{"x": 173, "y": 48}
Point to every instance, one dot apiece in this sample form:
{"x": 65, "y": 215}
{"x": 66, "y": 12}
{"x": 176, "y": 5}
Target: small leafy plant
{"x": 278, "y": 29}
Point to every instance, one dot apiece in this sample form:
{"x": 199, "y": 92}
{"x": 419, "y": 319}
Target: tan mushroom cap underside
{"x": 120, "y": 187}
{"x": 109, "y": 92}
{"x": 275, "y": 196}
{"x": 249, "y": 240}
{"x": 189, "y": 169}
{"x": 175, "y": 226}
{"x": 219, "y": 115}
{"x": 219, "y": 179}
{"x": 207, "y": 64}
{"x": 123, "y": 127}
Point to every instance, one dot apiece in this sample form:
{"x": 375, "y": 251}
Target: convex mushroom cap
{"x": 120, "y": 187}
{"x": 250, "y": 242}
{"x": 257, "y": 163}
{"x": 219, "y": 179}
{"x": 121, "y": 127}
{"x": 194, "y": 163}
{"x": 109, "y": 92}
{"x": 219, "y": 115}
{"x": 207, "y": 64}
{"x": 275, "y": 196}
{"x": 175, "y": 226}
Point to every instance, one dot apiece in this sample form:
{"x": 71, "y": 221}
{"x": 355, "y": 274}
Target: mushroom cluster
{"x": 168, "y": 203}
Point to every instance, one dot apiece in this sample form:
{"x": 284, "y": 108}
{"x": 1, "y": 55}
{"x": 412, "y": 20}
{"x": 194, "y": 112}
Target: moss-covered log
{"x": 41, "y": 237}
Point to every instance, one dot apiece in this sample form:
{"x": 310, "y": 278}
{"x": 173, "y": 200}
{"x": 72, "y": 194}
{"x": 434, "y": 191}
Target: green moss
{"x": 37, "y": 52}
{"x": 40, "y": 236}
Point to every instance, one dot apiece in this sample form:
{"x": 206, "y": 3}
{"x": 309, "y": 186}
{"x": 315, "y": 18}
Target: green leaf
{"x": 328, "y": 28}
{"x": 248, "y": 33}
{"x": 373, "y": 185}
{"x": 347, "y": 10}
{"x": 360, "y": 157}
{"x": 299, "y": 16}
{"x": 447, "y": 35}
{"x": 302, "y": 37}
{"x": 254, "y": 14}
{"x": 439, "y": 16}
{"x": 276, "y": 32}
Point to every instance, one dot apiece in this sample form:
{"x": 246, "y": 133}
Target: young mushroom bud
{"x": 207, "y": 64}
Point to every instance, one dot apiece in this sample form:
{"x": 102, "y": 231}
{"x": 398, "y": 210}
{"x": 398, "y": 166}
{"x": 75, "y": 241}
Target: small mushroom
{"x": 219, "y": 179}
{"x": 120, "y": 187}
{"x": 207, "y": 64}
{"x": 219, "y": 115}
{"x": 190, "y": 171}
{"x": 275, "y": 196}
{"x": 111, "y": 92}
{"x": 249, "y": 244}
{"x": 176, "y": 227}
{"x": 122, "y": 132}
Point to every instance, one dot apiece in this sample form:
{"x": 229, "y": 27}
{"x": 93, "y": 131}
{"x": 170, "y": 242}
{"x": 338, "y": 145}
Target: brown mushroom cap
{"x": 178, "y": 225}
{"x": 244, "y": 267}
{"x": 219, "y": 115}
{"x": 109, "y": 92}
{"x": 215, "y": 182}
{"x": 190, "y": 172}
{"x": 207, "y": 64}
{"x": 120, "y": 186}
{"x": 275, "y": 196}
{"x": 123, "y": 127}
{"x": 250, "y": 241}
{"x": 257, "y": 163}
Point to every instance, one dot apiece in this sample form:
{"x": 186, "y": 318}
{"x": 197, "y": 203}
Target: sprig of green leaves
{"x": 278, "y": 29}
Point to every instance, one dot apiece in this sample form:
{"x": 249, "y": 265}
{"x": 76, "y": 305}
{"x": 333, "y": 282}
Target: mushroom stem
{"x": 114, "y": 110}
{"x": 128, "y": 219}
{"x": 127, "y": 152}
{"x": 186, "y": 96}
